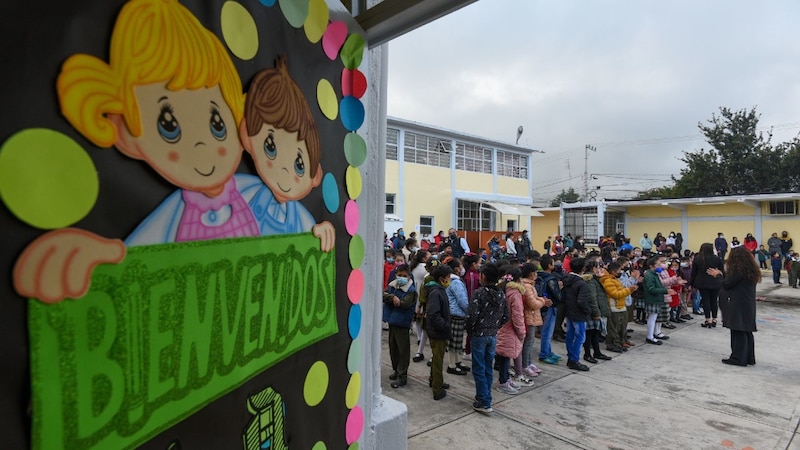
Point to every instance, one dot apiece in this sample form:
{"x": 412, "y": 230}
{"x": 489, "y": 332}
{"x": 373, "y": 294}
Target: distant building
{"x": 438, "y": 178}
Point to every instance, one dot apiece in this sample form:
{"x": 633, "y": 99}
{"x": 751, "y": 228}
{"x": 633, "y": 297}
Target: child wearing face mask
{"x": 399, "y": 301}
{"x": 459, "y": 305}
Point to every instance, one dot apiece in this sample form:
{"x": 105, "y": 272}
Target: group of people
{"x": 491, "y": 313}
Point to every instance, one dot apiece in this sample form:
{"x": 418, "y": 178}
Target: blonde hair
{"x": 154, "y": 41}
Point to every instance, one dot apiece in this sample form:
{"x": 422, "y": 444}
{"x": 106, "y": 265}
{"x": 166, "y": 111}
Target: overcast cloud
{"x": 613, "y": 74}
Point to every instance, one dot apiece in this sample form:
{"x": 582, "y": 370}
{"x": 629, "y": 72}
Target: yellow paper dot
{"x": 46, "y": 179}
{"x": 317, "y": 21}
{"x": 326, "y": 98}
{"x": 316, "y": 385}
{"x": 239, "y": 30}
{"x": 353, "y": 390}
{"x": 352, "y": 179}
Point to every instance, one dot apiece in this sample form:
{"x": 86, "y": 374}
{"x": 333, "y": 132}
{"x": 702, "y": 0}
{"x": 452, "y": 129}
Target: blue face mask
{"x": 401, "y": 281}
{"x": 390, "y": 260}
{"x": 659, "y": 269}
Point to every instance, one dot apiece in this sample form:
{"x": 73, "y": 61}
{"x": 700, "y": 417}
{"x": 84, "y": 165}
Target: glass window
{"x": 427, "y": 150}
{"x": 581, "y": 222}
{"x": 473, "y": 216}
{"x": 783, "y": 208}
{"x": 473, "y": 158}
{"x": 391, "y": 143}
{"x": 390, "y": 206}
{"x": 511, "y": 164}
{"x": 426, "y": 225}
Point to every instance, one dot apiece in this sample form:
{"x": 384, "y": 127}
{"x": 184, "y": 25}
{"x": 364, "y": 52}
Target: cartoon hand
{"x": 59, "y": 264}
{"x": 326, "y": 234}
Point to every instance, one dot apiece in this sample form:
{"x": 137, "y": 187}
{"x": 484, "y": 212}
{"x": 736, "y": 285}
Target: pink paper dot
{"x": 354, "y": 425}
{"x": 355, "y": 286}
{"x": 333, "y": 39}
{"x": 351, "y": 217}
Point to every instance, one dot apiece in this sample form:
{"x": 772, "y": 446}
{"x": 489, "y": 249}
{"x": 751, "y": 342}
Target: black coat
{"x": 437, "y": 320}
{"x": 737, "y": 301}
{"x": 700, "y": 279}
{"x": 575, "y": 295}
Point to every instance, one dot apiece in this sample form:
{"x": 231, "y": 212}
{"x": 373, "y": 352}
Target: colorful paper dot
{"x": 326, "y": 98}
{"x": 354, "y": 425}
{"x": 354, "y": 356}
{"x": 353, "y": 446}
{"x": 319, "y": 445}
{"x": 330, "y": 193}
{"x": 317, "y": 21}
{"x": 356, "y": 251}
{"x": 295, "y": 11}
{"x": 353, "y": 181}
{"x": 46, "y": 179}
{"x": 355, "y": 286}
{"x": 239, "y": 30}
{"x": 351, "y": 217}
{"x": 354, "y": 321}
{"x": 355, "y": 149}
{"x": 316, "y": 384}
{"x": 353, "y": 390}
{"x": 267, "y": 2}
{"x": 333, "y": 39}
{"x": 353, "y": 51}
{"x": 351, "y": 111}
{"x": 354, "y": 83}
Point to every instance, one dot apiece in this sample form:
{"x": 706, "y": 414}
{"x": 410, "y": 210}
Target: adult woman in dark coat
{"x": 739, "y": 308}
{"x": 708, "y": 285}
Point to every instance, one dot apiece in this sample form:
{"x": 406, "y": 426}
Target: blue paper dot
{"x": 351, "y": 111}
{"x": 267, "y": 2}
{"x": 330, "y": 193}
{"x": 354, "y": 321}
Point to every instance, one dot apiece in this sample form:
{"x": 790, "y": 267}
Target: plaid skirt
{"x": 594, "y": 325}
{"x": 456, "y": 341}
{"x": 663, "y": 313}
{"x": 652, "y": 308}
{"x": 638, "y": 303}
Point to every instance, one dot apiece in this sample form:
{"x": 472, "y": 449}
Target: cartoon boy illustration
{"x": 280, "y": 135}
{"x": 177, "y": 112}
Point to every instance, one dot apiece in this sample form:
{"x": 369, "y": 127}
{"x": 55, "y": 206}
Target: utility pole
{"x": 586, "y": 170}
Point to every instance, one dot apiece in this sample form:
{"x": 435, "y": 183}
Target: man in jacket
{"x": 721, "y": 245}
{"x": 646, "y": 245}
{"x": 786, "y": 245}
{"x": 547, "y": 287}
{"x": 437, "y": 325}
{"x": 399, "y": 300}
{"x": 576, "y": 303}
{"x": 774, "y": 244}
{"x": 487, "y": 312}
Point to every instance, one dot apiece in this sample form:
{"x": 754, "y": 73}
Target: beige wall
{"x": 426, "y": 192}
{"x": 653, "y": 212}
{"x": 472, "y": 182}
{"x": 511, "y": 186}
{"x": 726, "y": 210}
{"x": 541, "y": 227}
{"x": 392, "y": 183}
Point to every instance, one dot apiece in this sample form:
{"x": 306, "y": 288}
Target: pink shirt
{"x": 224, "y": 216}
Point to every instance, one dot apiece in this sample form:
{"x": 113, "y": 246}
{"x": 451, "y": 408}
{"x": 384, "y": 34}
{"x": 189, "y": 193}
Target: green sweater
{"x": 654, "y": 291}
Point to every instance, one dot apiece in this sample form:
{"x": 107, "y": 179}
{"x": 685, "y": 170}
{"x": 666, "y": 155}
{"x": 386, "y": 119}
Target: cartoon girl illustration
{"x": 171, "y": 97}
{"x": 280, "y": 135}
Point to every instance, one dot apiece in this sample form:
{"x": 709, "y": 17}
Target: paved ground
{"x": 678, "y": 395}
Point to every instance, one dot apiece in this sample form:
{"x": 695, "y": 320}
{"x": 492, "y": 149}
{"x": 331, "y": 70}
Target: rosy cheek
{"x": 222, "y": 151}
{"x": 173, "y": 156}
{"x": 296, "y": 179}
{"x": 269, "y": 164}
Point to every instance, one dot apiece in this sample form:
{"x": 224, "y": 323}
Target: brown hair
{"x": 274, "y": 98}
{"x": 743, "y": 262}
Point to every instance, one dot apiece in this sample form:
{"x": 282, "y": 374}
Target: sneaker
{"x": 554, "y": 356}
{"x": 530, "y": 373}
{"x": 549, "y": 360}
{"x": 534, "y": 368}
{"x": 481, "y": 408}
{"x": 466, "y": 357}
{"x": 524, "y": 380}
{"x": 506, "y": 388}
{"x": 513, "y": 383}
{"x": 512, "y": 372}
{"x": 575, "y": 365}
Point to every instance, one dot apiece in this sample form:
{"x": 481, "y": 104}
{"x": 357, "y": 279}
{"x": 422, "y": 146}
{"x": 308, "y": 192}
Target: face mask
{"x": 401, "y": 281}
{"x": 581, "y": 241}
{"x": 722, "y": 236}
{"x": 445, "y": 284}
{"x": 390, "y": 260}
{"x": 399, "y": 263}
{"x": 684, "y": 264}
{"x": 637, "y": 253}
{"x": 659, "y": 269}
{"x": 461, "y": 272}
{"x": 558, "y": 264}
{"x": 617, "y": 275}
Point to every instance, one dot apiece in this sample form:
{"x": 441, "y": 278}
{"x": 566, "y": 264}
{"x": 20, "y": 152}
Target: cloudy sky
{"x": 632, "y": 78}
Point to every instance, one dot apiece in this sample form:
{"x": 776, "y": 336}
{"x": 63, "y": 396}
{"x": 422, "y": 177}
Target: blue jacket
{"x": 403, "y": 314}
{"x": 457, "y": 297}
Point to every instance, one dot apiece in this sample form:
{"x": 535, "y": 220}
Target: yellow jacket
{"x": 615, "y": 291}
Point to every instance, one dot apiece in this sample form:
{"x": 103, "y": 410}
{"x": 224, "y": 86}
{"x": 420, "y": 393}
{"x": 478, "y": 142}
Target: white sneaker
{"x": 534, "y": 368}
{"x": 513, "y": 384}
{"x": 466, "y": 356}
{"x": 506, "y": 388}
{"x": 530, "y": 373}
{"x": 525, "y": 380}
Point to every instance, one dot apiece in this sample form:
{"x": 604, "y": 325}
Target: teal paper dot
{"x": 354, "y": 356}
{"x": 330, "y": 193}
{"x": 355, "y": 149}
{"x": 354, "y": 321}
{"x": 351, "y": 112}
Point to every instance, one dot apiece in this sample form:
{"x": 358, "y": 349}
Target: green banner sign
{"x": 169, "y": 330}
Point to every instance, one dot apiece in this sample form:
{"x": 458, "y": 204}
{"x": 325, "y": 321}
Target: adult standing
{"x": 774, "y": 244}
{"x": 511, "y": 249}
{"x": 527, "y": 246}
{"x": 739, "y": 304}
{"x": 459, "y": 244}
{"x": 547, "y": 245}
{"x": 678, "y": 242}
{"x": 399, "y": 239}
{"x": 721, "y": 245}
{"x": 786, "y": 245}
{"x": 750, "y": 243}
{"x": 646, "y": 244}
{"x": 707, "y": 285}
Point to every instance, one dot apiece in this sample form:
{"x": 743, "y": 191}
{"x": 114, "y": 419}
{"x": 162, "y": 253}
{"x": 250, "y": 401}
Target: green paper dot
{"x": 319, "y": 446}
{"x": 355, "y": 149}
{"x": 353, "y": 446}
{"x": 295, "y": 11}
{"x": 46, "y": 179}
{"x": 352, "y": 51}
{"x": 354, "y": 356}
{"x": 356, "y": 251}
{"x": 316, "y": 384}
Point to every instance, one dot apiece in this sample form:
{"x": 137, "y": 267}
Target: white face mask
{"x": 461, "y": 271}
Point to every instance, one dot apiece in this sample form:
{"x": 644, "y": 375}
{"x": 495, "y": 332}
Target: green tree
{"x": 740, "y": 161}
{"x": 566, "y": 196}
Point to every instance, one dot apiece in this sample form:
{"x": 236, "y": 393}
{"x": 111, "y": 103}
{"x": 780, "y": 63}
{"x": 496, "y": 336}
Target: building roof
{"x": 751, "y": 200}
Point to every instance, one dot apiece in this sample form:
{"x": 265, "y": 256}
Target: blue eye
{"x": 217, "y": 125}
{"x": 269, "y": 147}
{"x": 168, "y": 126}
{"x": 299, "y": 165}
